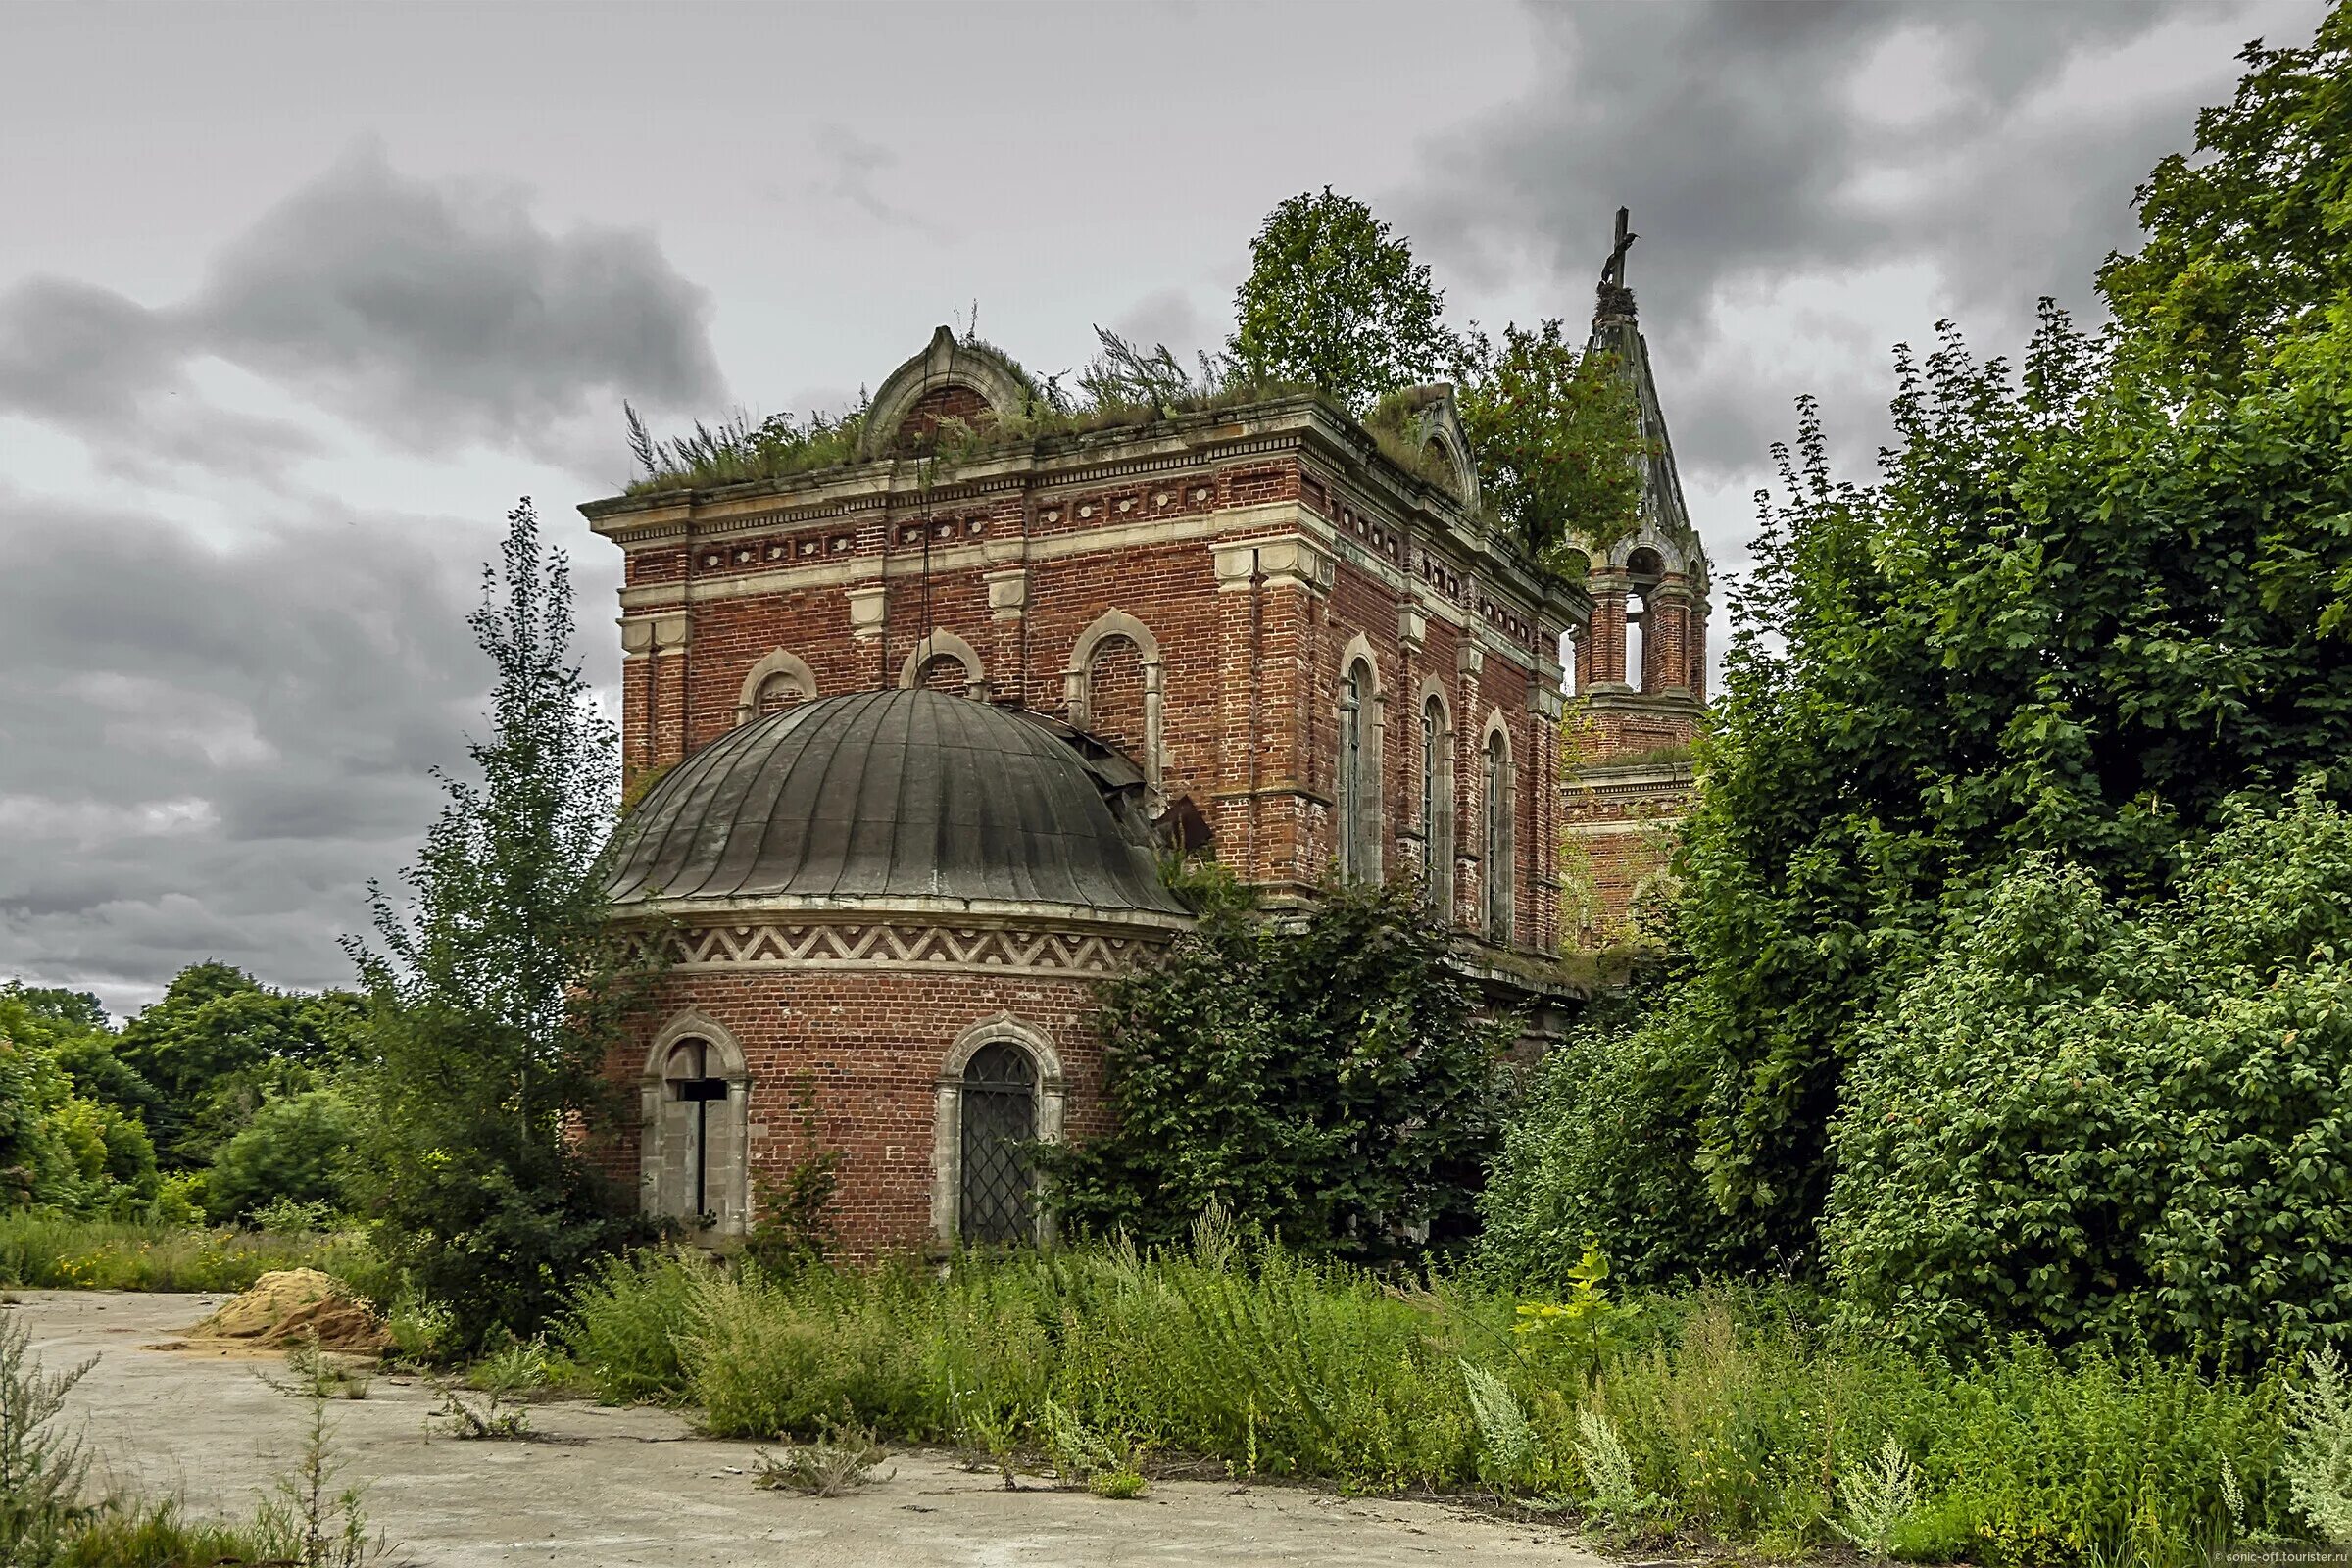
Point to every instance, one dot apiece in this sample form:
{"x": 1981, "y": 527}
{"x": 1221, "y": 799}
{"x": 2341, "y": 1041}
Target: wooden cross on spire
{"x": 1612, "y": 271}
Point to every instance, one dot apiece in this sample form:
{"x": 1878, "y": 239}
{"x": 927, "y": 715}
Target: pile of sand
{"x": 287, "y": 1306}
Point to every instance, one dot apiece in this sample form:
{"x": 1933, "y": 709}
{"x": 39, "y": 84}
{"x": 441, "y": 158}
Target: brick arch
{"x": 947, "y": 365}
{"x": 947, "y": 1136}
{"x": 1136, "y": 724}
{"x": 944, "y": 645}
{"x": 665, "y": 1148}
{"x": 789, "y": 665}
{"x": 1359, "y": 818}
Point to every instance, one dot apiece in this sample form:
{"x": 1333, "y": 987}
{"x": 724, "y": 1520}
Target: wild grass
{"x": 1125, "y": 387}
{"x": 48, "y": 1519}
{"x": 1716, "y": 1417}
{"x": 43, "y": 1249}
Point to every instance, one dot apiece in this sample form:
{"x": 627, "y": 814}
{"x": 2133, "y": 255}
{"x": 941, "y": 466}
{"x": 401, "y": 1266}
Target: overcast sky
{"x": 295, "y": 301}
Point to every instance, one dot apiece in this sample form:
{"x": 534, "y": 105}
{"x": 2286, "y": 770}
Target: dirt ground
{"x": 636, "y": 1486}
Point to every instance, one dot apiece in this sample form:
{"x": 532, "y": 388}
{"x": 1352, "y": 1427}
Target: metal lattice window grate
{"x": 1000, "y": 1119}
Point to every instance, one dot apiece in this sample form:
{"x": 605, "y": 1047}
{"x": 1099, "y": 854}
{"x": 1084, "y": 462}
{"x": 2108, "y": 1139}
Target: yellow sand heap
{"x": 287, "y": 1307}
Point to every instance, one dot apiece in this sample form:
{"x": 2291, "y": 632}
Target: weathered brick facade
{"x": 1628, "y": 780}
{"x": 1281, "y": 627}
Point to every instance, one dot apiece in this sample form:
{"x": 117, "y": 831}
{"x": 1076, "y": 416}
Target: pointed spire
{"x": 1615, "y": 331}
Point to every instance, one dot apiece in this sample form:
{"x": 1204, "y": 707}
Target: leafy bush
{"x": 294, "y": 1151}
{"x": 2092, "y": 1120}
{"x": 1331, "y": 1082}
{"x": 1602, "y": 1142}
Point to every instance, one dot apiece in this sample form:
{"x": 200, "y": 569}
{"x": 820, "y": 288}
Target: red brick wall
{"x": 862, "y": 1051}
{"x": 1249, "y": 675}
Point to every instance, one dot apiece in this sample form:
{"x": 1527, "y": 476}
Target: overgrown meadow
{"x": 1720, "y": 1415}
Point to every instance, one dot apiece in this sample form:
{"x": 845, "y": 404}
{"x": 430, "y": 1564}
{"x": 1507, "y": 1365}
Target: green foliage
{"x": 2086, "y": 1119}
{"x": 1334, "y": 303}
{"x": 739, "y": 448}
{"x": 1332, "y": 1083}
{"x": 1557, "y": 437}
{"x": 496, "y": 993}
{"x": 2246, "y": 240}
{"x": 1125, "y": 375}
{"x": 1725, "y": 1416}
{"x": 218, "y": 1046}
{"x": 46, "y": 1249}
{"x": 621, "y": 1326}
{"x": 1602, "y": 1142}
{"x": 59, "y": 1146}
{"x": 2081, "y": 607}
{"x": 293, "y": 1150}
{"x": 2318, "y": 1447}
{"x": 42, "y": 1465}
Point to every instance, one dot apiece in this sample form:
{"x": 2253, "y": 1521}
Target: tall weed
{"x": 1721, "y": 1415}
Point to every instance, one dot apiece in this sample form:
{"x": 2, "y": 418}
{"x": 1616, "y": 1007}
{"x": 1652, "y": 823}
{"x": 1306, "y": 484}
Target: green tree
{"x": 2090, "y": 1119}
{"x": 1334, "y": 303}
{"x": 2249, "y": 239}
{"x": 217, "y": 1044}
{"x": 1332, "y": 1083}
{"x": 296, "y": 1147}
{"x": 496, "y": 989}
{"x": 1556, "y": 437}
{"x": 2081, "y": 607}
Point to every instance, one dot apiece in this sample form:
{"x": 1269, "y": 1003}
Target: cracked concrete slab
{"x": 637, "y": 1486}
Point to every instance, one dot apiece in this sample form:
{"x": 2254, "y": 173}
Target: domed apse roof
{"x": 900, "y": 798}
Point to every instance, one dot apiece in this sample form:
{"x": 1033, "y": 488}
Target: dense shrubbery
{"x": 133, "y": 1124}
{"x": 2082, "y": 611}
{"x": 45, "y": 1250}
{"x": 2083, "y": 1118}
{"x": 1739, "y": 1416}
{"x": 1330, "y": 1081}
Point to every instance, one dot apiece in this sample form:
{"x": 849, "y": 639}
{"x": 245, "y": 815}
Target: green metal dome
{"x": 900, "y": 798}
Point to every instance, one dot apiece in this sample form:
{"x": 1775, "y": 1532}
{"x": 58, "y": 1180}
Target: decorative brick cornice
{"x": 952, "y": 949}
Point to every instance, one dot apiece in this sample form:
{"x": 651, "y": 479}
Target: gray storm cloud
{"x": 429, "y": 312}
{"x": 209, "y": 750}
{"x": 1990, "y": 150}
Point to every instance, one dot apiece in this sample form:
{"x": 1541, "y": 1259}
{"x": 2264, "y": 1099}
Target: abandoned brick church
{"x": 920, "y": 729}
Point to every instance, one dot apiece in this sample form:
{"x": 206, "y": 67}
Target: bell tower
{"x": 1641, "y": 665}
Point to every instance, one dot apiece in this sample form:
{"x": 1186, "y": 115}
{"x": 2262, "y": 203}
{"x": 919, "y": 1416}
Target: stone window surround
{"x": 1362, "y": 835}
{"x": 728, "y": 1176}
{"x": 947, "y": 1141}
{"x": 779, "y": 663}
{"x": 1078, "y": 680}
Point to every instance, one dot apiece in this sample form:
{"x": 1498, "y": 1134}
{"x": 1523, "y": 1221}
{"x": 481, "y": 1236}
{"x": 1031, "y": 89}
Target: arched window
{"x": 692, "y": 1160}
{"x": 1114, "y": 690}
{"x": 1499, "y": 870}
{"x": 778, "y": 692}
{"x": 1359, "y": 776}
{"x": 1436, "y": 806}
{"x": 944, "y": 673}
{"x": 781, "y": 681}
{"x": 997, "y": 1187}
